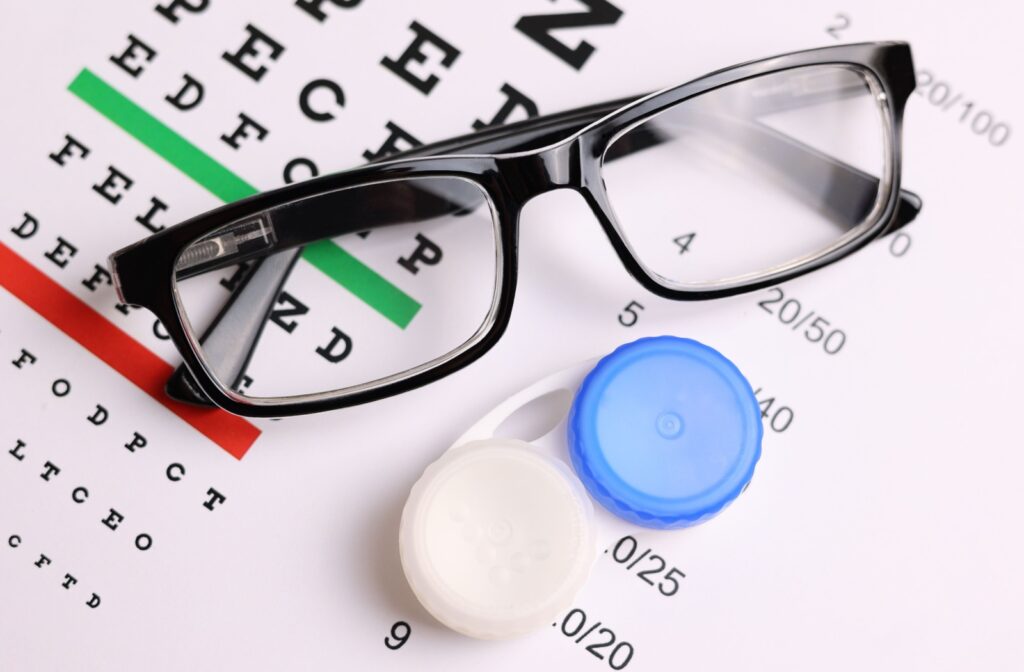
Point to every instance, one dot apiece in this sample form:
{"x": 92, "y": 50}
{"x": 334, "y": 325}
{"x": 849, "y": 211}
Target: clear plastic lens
{"x": 752, "y": 178}
{"x": 342, "y": 290}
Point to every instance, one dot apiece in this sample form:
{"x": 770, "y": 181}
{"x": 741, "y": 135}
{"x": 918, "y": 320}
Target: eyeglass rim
{"x": 868, "y": 228}
{"x": 485, "y": 326}
{"x": 143, "y": 273}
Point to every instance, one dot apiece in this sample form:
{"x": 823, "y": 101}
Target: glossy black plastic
{"x": 512, "y": 164}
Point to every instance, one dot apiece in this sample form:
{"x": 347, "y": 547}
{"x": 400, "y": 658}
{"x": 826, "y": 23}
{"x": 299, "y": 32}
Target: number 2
{"x": 592, "y": 649}
{"x": 843, "y": 23}
{"x": 654, "y": 570}
{"x": 767, "y": 302}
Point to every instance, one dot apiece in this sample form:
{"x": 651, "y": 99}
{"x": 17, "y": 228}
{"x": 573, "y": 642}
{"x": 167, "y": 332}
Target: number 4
{"x": 684, "y": 241}
{"x": 766, "y": 405}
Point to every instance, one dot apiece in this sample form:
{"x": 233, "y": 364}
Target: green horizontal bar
{"x": 362, "y": 281}
{"x": 365, "y": 283}
{"x": 154, "y": 134}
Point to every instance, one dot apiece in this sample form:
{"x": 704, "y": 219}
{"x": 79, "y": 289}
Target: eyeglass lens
{"x": 322, "y": 303}
{"x": 753, "y": 177}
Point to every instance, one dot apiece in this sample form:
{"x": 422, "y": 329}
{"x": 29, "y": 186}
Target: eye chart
{"x": 879, "y": 530}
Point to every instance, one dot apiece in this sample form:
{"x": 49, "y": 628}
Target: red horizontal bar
{"x": 120, "y": 351}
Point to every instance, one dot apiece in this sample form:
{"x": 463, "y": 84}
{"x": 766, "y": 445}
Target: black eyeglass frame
{"x": 144, "y": 273}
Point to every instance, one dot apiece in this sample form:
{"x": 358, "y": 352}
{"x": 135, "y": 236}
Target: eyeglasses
{"x": 359, "y": 285}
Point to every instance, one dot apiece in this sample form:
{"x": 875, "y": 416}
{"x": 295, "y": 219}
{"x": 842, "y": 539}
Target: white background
{"x": 880, "y": 530}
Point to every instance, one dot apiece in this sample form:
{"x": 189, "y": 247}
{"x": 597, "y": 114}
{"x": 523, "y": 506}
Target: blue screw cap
{"x": 665, "y": 432}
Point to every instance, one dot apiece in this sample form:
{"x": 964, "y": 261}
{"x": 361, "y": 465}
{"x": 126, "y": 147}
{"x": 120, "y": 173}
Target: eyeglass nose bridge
{"x": 530, "y": 175}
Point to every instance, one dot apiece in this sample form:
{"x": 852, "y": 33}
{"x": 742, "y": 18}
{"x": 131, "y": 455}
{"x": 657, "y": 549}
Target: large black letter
{"x": 215, "y": 498}
{"x": 307, "y": 92}
{"x": 289, "y": 170}
{"x": 113, "y": 519}
{"x": 49, "y": 469}
{"x": 539, "y": 26}
{"x": 16, "y": 451}
{"x": 25, "y": 357}
{"x": 192, "y": 87}
{"x": 100, "y": 276}
{"x": 513, "y": 99}
{"x": 124, "y": 60}
{"x": 156, "y": 205}
{"x": 108, "y": 187}
{"x": 390, "y": 146}
{"x": 426, "y": 252}
{"x": 193, "y": 6}
{"x": 65, "y": 151}
{"x": 338, "y": 337}
{"x": 100, "y": 416}
{"x": 414, "y": 53}
{"x": 27, "y": 228}
{"x": 238, "y": 59}
{"x": 315, "y": 7}
{"x": 243, "y": 131}
{"x": 293, "y": 308}
{"x": 138, "y": 441}
{"x": 62, "y": 253}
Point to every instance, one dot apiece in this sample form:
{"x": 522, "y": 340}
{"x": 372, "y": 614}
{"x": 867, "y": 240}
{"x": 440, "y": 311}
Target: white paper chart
{"x": 880, "y": 530}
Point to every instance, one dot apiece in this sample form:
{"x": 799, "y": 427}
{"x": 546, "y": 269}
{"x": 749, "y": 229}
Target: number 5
{"x": 819, "y": 328}
{"x": 630, "y": 310}
{"x": 671, "y": 576}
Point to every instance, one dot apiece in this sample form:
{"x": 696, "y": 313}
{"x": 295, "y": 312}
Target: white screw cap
{"x": 497, "y": 538}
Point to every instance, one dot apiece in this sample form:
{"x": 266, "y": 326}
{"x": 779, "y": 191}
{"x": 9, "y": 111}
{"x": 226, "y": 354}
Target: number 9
{"x": 400, "y": 631}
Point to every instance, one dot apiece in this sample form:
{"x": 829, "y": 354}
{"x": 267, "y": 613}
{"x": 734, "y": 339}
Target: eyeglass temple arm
{"x": 230, "y": 340}
{"x": 251, "y": 297}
